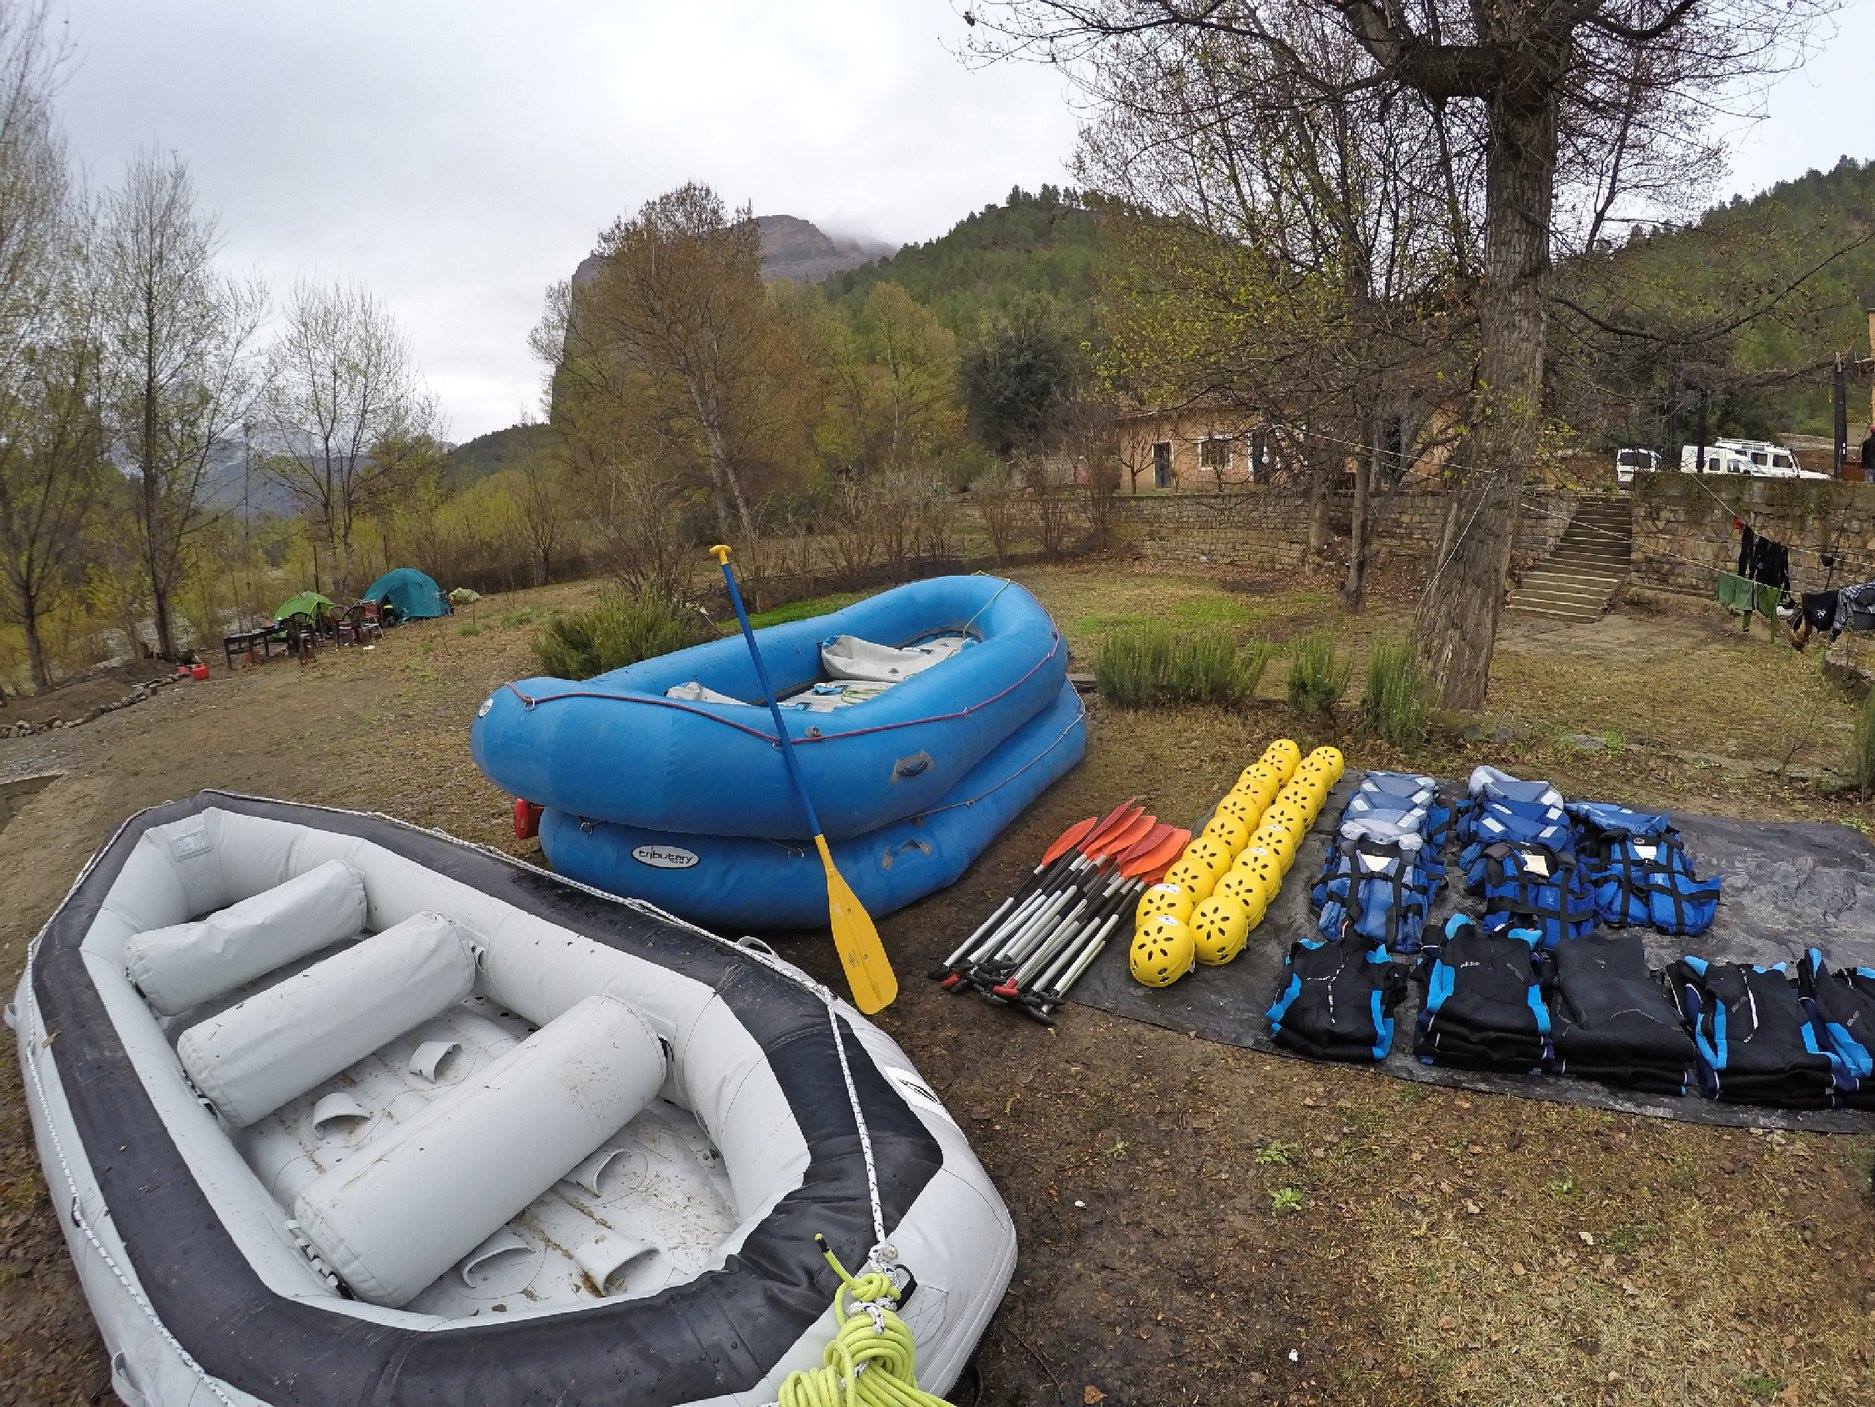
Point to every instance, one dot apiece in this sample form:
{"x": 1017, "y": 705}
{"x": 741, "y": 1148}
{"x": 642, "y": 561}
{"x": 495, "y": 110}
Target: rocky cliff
{"x": 793, "y": 249}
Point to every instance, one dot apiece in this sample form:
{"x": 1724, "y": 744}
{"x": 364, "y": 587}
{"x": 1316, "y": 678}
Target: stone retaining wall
{"x": 1268, "y": 526}
{"x": 1683, "y": 532}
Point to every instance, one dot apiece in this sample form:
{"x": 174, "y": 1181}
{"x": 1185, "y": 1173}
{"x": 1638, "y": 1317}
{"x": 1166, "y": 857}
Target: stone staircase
{"x": 1579, "y": 578}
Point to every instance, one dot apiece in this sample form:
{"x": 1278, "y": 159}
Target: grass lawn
{"x": 1199, "y": 1224}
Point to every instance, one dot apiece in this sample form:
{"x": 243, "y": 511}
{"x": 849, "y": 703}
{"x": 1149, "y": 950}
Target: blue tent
{"x": 408, "y": 592}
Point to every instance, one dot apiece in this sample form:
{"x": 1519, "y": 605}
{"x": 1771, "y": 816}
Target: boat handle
{"x": 504, "y": 1242}
{"x": 604, "y": 1258}
{"x": 429, "y": 1058}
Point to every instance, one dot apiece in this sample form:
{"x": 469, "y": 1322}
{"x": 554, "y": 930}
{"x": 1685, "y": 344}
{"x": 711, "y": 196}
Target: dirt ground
{"x": 1198, "y": 1224}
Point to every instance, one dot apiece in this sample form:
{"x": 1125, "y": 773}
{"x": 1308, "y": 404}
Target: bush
{"x": 617, "y": 631}
{"x": 1394, "y": 704}
{"x": 1318, "y": 675}
{"x": 1147, "y": 665}
{"x": 1860, "y": 763}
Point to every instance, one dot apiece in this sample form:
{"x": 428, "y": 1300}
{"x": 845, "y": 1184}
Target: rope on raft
{"x": 872, "y": 1360}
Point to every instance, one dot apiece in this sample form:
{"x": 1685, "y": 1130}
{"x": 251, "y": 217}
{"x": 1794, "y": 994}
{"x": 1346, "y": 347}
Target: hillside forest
{"x": 182, "y": 448}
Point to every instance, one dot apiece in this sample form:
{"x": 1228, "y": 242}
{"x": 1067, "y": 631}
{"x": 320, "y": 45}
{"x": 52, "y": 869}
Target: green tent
{"x": 408, "y": 592}
{"x": 308, "y": 603}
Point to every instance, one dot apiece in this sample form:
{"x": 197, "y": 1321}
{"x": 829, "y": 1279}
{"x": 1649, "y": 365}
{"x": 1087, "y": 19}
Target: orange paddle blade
{"x": 1112, "y": 821}
{"x": 1066, "y": 841}
{"x": 869, "y": 972}
{"x": 1158, "y": 858}
{"x": 1129, "y": 834}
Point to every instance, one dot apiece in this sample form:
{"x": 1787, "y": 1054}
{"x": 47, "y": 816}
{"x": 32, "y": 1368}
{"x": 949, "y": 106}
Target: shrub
{"x": 1318, "y": 675}
{"x": 618, "y": 630}
{"x": 1394, "y": 703}
{"x": 1860, "y": 762}
{"x": 1148, "y": 665}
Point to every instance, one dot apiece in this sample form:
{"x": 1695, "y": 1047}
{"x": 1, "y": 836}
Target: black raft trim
{"x": 719, "y": 1333}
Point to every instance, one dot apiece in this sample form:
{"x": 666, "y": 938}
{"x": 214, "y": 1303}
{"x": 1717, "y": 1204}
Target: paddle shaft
{"x": 768, "y": 693}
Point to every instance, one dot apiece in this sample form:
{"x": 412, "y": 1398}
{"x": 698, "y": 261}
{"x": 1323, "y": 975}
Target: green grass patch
{"x": 1221, "y": 612}
{"x": 1318, "y": 674}
{"x": 616, "y": 631}
{"x": 1149, "y": 665}
{"x": 801, "y": 610}
{"x": 1860, "y": 762}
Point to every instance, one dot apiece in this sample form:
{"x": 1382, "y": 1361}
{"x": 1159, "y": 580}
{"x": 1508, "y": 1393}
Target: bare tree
{"x": 350, "y": 420}
{"x": 179, "y": 372}
{"x": 51, "y": 441}
{"x": 1559, "y": 105}
{"x": 540, "y": 501}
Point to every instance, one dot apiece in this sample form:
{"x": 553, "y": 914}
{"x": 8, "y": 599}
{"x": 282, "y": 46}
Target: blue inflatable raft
{"x": 923, "y": 719}
{"x": 682, "y": 742}
{"x": 745, "y": 882}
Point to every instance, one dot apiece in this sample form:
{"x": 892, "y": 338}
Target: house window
{"x": 1162, "y": 464}
{"x": 1214, "y": 454}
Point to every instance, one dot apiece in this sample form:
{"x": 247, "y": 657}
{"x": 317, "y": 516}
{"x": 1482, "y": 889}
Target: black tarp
{"x": 1787, "y": 885}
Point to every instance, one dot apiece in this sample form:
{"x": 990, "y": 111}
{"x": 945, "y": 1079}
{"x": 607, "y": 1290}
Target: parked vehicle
{"x": 1759, "y": 459}
{"x": 1630, "y": 461}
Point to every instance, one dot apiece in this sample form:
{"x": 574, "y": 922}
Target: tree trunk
{"x": 35, "y": 647}
{"x": 1458, "y": 612}
{"x": 1320, "y": 479}
{"x": 1354, "y": 591}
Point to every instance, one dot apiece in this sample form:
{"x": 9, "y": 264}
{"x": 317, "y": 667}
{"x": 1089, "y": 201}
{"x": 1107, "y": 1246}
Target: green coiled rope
{"x": 872, "y": 1360}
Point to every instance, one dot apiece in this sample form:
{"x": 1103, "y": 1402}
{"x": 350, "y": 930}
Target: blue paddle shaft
{"x": 768, "y": 692}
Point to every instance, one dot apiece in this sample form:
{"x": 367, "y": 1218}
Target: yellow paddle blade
{"x": 868, "y": 971}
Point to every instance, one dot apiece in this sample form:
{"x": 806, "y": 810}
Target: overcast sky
{"x": 459, "y": 155}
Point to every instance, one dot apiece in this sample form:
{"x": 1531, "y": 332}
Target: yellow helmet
{"x": 1238, "y": 805}
{"x": 1230, "y": 832}
{"x": 1164, "y": 898}
{"x": 1332, "y": 762}
{"x": 1218, "y": 928}
{"x": 1258, "y": 859}
{"x": 1212, "y": 853}
{"x": 1162, "y": 952}
{"x": 1280, "y": 842}
{"x": 1247, "y": 887}
{"x": 1283, "y": 755}
{"x": 1289, "y": 815}
{"x": 1195, "y": 880}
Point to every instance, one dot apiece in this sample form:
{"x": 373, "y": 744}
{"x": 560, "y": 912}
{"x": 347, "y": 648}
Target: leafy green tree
{"x": 1020, "y": 369}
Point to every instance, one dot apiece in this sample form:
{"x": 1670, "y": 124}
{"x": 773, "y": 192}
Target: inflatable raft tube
{"x": 734, "y": 882}
{"x": 582, "y": 1158}
{"x": 615, "y": 748}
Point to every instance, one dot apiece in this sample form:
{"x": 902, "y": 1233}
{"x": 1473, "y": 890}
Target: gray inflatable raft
{"x": 338, "y": 1111}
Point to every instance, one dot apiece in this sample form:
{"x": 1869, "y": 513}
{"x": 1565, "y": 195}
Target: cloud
{"x": 458, "y": 158}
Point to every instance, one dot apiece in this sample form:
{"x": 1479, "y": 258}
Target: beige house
{"x": 1209, "y": 446}
{"x": 1197, "y": 446}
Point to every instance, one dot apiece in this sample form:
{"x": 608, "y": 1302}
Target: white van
{"x": 1759, "y": 459}
{"x": 1629, "y": 462}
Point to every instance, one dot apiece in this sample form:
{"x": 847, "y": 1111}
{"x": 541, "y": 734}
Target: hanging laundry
{"x": 1855, "y": 608}
{"x": 1638, "y": 867}
{"x": 1336, "y": 1000}
{"x": 1763, "y": 560}
{"x": 1844, "y": 1003}
{"x": 1819, "y": 609}
{"x": 1483, "y": 1008}
{"x": 1757, "y": 1042}
{"x": 1737, "y": 593}
{"x": 1613, "y": 1019}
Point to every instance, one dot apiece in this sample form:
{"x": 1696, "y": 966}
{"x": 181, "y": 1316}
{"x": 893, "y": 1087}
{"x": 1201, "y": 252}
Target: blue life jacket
{"x": 1530, "y": 887}
{"x": 1381, "y": 875}
{"x": 1641, "y": 872}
